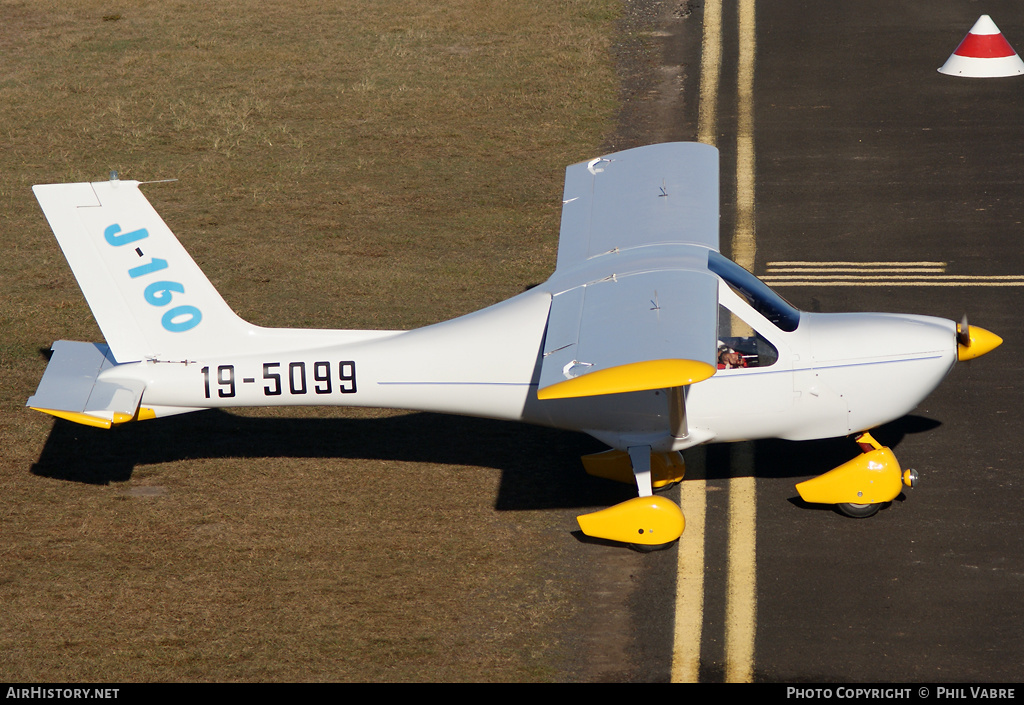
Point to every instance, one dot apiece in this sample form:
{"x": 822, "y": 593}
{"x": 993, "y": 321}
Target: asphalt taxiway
{"x": 855, "y": 177}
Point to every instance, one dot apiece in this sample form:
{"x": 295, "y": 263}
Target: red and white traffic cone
{"x": 983, "y": 53}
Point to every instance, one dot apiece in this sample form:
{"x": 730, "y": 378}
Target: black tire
{"x": 858, "y": 511}
{"x": 666, "y": 488}
{"x": 647, "y": 548}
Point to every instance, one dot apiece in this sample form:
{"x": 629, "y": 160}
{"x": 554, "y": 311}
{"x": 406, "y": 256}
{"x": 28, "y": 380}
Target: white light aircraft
{"x": 644, "y": 337}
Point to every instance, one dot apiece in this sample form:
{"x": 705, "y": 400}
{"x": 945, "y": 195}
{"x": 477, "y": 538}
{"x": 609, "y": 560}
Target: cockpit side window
{"x": 755, "y": 292}
{"x": 740, "y": 346}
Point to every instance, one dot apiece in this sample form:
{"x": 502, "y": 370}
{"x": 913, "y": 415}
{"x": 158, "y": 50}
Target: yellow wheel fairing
{"x": 870, "y": 478}
{"x": 666, "y": 468}
{"x": 648, "y": 521}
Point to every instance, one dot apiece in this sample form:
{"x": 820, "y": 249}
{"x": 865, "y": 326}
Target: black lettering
{"x": 347, "y": 375}
{"x": 297, "y": 386}
{"x": 322, "y": 375}
{"x": 273, "y": 377}
{"x": 226, "y": 379}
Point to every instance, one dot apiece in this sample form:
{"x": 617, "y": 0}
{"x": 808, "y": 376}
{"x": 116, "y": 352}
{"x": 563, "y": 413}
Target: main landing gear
{"x": 860, "y": 487}
{"x": 647, "y": 522}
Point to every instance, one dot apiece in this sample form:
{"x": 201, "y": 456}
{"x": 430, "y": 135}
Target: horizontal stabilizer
{"x": 70, "y": 388}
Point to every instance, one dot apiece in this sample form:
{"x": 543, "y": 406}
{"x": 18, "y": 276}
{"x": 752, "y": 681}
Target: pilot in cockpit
{"x": 729, "y": 359}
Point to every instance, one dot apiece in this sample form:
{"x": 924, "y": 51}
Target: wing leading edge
{"x": 634, "y": 306}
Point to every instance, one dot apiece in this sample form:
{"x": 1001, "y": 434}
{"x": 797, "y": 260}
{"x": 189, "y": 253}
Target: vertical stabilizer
{"x": 148, "y": 296}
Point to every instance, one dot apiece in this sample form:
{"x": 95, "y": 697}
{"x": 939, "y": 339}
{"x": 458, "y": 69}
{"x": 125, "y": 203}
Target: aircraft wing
{"x": 634, "y": 306}
{"x": 661, "y": 193}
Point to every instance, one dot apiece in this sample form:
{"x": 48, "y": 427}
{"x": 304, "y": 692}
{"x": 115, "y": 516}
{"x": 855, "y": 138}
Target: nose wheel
{"x": 858, "y": 511}
{"x": 871, "y": 479}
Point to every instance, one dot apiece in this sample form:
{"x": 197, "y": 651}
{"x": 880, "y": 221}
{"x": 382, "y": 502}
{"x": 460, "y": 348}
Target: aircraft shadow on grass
{"x": 540, "y": 466}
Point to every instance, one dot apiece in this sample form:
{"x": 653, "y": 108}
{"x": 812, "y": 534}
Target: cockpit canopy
{"x": 756, "y": 293}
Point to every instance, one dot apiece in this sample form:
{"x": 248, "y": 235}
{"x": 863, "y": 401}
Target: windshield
{"x": 756, "y": 293}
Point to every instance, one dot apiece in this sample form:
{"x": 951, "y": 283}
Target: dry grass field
{"x": 340, "y": 164}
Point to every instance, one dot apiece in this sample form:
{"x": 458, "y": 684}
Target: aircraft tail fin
{"x": 147, "y": 294}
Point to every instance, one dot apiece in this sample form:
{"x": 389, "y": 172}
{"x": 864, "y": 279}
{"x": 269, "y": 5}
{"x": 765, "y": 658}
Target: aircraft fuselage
{"x": 833, "y": 375}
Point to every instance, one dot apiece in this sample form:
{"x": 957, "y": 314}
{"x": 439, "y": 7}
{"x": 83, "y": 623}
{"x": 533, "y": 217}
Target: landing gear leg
{"x": 667, "y": 469}
{"x": 640, "y": 457}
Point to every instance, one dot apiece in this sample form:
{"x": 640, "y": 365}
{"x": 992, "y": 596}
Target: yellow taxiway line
{"x": 741, "y": 589}
{"x": 690, "y": 572}
{"x": 878, "y": 274}
{"x": 693, "y": 491}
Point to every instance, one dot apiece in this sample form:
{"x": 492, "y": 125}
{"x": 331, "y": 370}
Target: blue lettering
{"x": 194, "y": 316}
{"x": 159, "y": 293}
{"x": 176, "y": 320}
{"x": 154, "y": 266}
{"x": 116, "y": 238}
